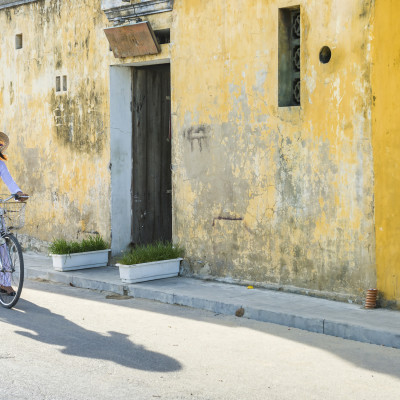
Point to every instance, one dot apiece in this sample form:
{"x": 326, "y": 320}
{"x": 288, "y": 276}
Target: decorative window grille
{"x": 295, "y": 46}
{"x": 289, "y": 53}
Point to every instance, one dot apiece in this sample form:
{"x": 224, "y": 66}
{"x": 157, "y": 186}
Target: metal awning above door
{"x": 132, "y": 40}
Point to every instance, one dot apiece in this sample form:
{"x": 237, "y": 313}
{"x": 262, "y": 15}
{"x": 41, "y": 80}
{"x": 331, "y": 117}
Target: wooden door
{"x": 152, "y": 203}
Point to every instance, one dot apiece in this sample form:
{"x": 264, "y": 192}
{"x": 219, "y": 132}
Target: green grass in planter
{"x": 93, "y": 243}
{"x": 152, "y": 252}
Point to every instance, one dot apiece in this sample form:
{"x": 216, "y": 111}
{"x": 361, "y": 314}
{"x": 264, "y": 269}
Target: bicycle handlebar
{"x": 17, "y": 196}
{"x": 14, "y": 196}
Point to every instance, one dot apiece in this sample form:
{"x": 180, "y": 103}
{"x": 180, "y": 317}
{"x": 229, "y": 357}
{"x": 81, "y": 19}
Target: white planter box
{"x": 149, "y": 271}
{"x": 89, "y": 259}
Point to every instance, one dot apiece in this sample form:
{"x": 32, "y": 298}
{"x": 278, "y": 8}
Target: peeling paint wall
{"x": 386, "y": 145}
{"x": 265, "y": 194}
{"x": 59, "y": 151}
{"x": 279, "y": 196}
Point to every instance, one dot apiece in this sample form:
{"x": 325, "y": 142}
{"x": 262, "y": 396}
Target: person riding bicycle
{"x": 5, "y": 284}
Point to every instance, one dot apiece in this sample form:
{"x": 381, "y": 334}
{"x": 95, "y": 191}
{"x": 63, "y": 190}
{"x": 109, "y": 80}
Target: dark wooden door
{"x": 152, "y": 206}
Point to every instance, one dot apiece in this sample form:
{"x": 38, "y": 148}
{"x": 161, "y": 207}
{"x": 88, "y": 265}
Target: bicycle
{"x": 12, "y": 216}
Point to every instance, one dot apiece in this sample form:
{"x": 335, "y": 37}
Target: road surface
{"x": 61, "y": 342}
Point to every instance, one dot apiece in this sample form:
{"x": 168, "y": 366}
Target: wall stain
{"x": 366, "y": 10}
{"x": 197, "y": 134}
{"x": 11, "y": 89}
{"x": 76, "y": 121}
{"x": 58, "y": 58}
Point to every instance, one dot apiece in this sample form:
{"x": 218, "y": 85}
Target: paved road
{"x": 65, "y": 343}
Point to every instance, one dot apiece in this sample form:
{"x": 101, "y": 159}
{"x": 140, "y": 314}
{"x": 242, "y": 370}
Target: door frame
{"x": 120, "y": 166}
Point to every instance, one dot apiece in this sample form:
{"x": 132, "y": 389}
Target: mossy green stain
{"x": 76, "y": 124}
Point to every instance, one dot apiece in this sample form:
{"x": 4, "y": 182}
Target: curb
{"x": 77, "y": 281}
{"x": 316, "y": 324}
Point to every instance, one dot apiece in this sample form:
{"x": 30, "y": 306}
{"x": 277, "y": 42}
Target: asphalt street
{"x": 62, "y": 342}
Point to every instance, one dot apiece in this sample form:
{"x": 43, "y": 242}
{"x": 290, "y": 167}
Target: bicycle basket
{"x": 14, "y": 214}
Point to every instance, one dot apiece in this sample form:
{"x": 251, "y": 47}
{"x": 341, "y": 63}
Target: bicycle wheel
{"x": 11, "y": 270}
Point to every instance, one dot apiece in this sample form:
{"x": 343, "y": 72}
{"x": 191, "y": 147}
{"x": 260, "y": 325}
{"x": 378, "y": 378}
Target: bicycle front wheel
{"x": 11, "y": 271}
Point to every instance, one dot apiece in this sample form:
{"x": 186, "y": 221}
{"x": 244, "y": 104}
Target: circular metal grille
{"x": 296, "y": 58}
{"x": 296, "y": 91}
{"x": 296, "y": 26}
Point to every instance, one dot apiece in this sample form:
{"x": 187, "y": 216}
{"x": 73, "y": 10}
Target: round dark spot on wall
{"x": 325, "y": 55}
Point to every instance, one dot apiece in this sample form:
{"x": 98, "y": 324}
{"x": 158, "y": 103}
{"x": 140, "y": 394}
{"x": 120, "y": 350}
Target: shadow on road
{"x": 54, "y": 329}
{"x": 118, "y": 348}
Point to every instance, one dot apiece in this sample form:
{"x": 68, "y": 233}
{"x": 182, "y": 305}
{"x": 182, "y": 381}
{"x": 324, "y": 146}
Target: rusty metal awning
{"x": 132, "y": 40}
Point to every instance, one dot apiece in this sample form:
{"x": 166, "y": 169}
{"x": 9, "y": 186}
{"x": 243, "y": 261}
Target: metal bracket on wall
{"x": 115, "y": 11}
{"x": 14, "y": 3}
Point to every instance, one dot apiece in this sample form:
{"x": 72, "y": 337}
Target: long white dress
{"x": 5, "y": 266}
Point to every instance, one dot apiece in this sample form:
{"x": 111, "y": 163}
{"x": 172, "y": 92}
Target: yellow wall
{"x": 59, "y": 150}
{"x": 268, "y": 194}
{"x": 386, "y": 147}
{"x": 60, "y": 142}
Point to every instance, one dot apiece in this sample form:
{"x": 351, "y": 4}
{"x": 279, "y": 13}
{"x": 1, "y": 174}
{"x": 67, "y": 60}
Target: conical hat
{"x": 5, "y": 141}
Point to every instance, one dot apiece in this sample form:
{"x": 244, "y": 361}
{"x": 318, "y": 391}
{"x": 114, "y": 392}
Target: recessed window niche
{"x": 18, "y": 41}
{"x": 289, "y": 57}
{"x": 58, "y": 83}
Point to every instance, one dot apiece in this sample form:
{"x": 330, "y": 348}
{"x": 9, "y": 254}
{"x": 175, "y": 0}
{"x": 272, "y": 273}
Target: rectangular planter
{"x": 149, "y": 271}
{"x": 89, "y": 259}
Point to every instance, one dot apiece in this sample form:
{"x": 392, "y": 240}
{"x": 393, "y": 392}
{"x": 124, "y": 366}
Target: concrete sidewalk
{"x": 349, "y": 321}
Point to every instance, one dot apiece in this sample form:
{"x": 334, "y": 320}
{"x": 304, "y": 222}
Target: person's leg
{"x": 5, "y": 275}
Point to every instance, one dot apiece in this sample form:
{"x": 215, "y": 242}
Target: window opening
{"x": 289, "y": 54}
{"x": 162, "y": 36}
{"x": 18, "y": 41}
{"x": 58, "y": 84}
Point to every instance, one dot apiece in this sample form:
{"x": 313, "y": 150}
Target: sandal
{"x": 4, "y": 290}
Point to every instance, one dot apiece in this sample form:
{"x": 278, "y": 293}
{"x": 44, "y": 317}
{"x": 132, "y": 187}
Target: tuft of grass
{"x": 92, "y": 243}
{"x": 151, "y": 252}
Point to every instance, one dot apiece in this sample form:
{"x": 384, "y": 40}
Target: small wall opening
{"x": 289, "y": 57}
{"x": 64, "y": 83}
{"x": 18, "y": 41}
{"x": 163, "y": 36}
{"x": 58, "y": 84}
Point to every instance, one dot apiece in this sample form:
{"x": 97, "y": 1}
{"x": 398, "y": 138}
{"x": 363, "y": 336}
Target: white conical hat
{"x": 4, "y": 140}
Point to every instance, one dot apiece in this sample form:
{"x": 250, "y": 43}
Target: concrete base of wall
{"x": 343, "y": 297}
{"x": 30, "y": 243}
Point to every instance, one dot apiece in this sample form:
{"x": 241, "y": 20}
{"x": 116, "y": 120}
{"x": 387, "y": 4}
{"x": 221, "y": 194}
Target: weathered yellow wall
{"x": 60, "y": 142}
{"x": 268, "y": 194}
{"x": 386, "y": 147}
{"x": 59, "y": 150}
{"x": 281, "y": 196}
